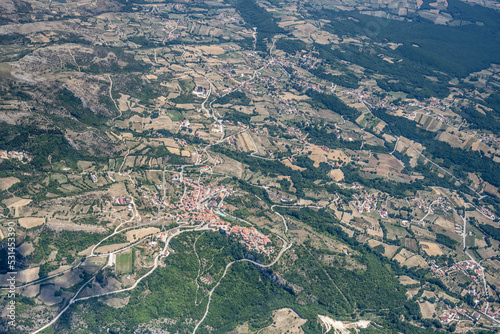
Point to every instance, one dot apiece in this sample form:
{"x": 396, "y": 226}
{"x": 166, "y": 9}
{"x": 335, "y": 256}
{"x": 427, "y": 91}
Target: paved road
{"x": 286, "y": 246}
{"x": 75, "y": 299}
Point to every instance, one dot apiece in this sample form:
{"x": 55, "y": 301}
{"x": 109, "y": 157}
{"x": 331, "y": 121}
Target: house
{"x": 204, "y": 169}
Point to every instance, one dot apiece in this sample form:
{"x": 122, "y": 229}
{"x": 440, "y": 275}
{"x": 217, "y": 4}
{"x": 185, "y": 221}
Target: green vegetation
{"x": 112, "y": 64}
{"x": 256, "y": 16}
{"x": 246, "y": 295}
{"x": 235, "y": 97}
{"x": 301, "y": 179}
{"x": 458, "y": 160}
{"x": 427, "y": 49}
{"x": 124, "y": 263}
{"x": 325, "y": 136}
{"x": 40, "y": 143}
{"x": 492, "y": 231}
{"x": 445, "y": 240}
{"x": 333, "y": 103}
{"x": 488, "y": 121}
{"x": 45, "y": 268}
{"x": 237, "y": 116}
{"x": 116, "y": 239}
{"x": 396, "y": 189}
{"x": 320, "y": 220}
{"x": 290, "y": 46}
{"x": 348, "y": 80}
{"x": 439, "y": 47}
{"x": 253, "y": 295}
{"x": 64, "y": 243}
{"x": 340, "y": 290}
{"x": 175, "y": 115}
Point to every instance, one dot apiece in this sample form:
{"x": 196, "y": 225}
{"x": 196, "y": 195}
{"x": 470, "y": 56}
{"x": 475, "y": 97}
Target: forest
{"x": 40, "y": 143}
{"x": 456, "y": 51}
{"x": 333, "y": 103}
{"x": 256, "y": 16}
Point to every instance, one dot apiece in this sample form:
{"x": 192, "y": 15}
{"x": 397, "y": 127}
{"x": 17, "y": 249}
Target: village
{"x": 476, "y": 290}
{"x": 202, "y": 205}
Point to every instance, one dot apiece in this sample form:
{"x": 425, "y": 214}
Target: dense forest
{"x": 256, "y": 16}
{"x": 39, "y": 143}
{"x": 333, "y": 103}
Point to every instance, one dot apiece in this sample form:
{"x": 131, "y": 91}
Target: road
{"x": 284, "y": 249}
{"x": 429, "y": 212}
{"x": 419, "y": 153}
{"x": 483, "y": 271}
{"x": 111, "y": 96}
{"x": 281, "y": 216}
{"x": 75, "y": 299}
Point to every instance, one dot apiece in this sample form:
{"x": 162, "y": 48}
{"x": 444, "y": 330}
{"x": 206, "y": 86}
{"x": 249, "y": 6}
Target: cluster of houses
{"x": 250, "y": 236}
{"x": 459, "y": 229}
{"x": 201, "y": 92}
{"x": 198, "y": 197}
{"x": 420, "y": 203}
{"x": 476, "y": 290}
{"x": 474, "y": 271}
{"x": 488, "y": 213}
{"x": 494, "y": 312}
{"x": 367, "y": 203}
{"x": 122, "y": 200}
{"x": 453, "y": 314}
{"x": 436, "y": 270}
{"x": 199, "y": 206}
{"x": 486, "y": 138}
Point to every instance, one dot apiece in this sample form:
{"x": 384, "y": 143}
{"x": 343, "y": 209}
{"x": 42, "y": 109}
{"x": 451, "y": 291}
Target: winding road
{"x": 286, "y": 246}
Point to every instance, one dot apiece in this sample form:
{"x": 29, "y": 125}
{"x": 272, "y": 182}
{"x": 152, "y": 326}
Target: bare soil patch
{"x": 134, "y": 235}
{"x": 406, "y": 280}
{"x": 416, "y": 261}
{"x": 431, "y": 248}
{"x": 427, "y": 309}
{"x": 287, "y": 162}
{"x": 115, "y": 302}
{"x": 16, "y": 204}
{"x": 285, "y": 320}
{"x": 110, "y": 248}
{"x": 30, "y": 222}
{"x": 7, "y": 182}
{"x": 411, "y": 292}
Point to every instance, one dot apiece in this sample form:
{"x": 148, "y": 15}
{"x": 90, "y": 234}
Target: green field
{"x": 469, "y": 241}
{"x": 124, "y": 263}
{"x": 59, "y": 178}
{"x": 174, "y": 115}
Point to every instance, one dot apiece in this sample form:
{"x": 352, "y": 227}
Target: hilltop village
{"x": 202, "y": 205}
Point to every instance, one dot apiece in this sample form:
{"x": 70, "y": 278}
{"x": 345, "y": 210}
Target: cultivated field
{"x": 427, "y": 309}
{"x": 406, "y": 280}
{"x": 7, "y": 182}
{"x": 287, "y": 162}
{"x": 134, "y": 235}
{"x": 431, "y": 248}
{"x": 110, "y": 248}
{"x": 30, "y": 222}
